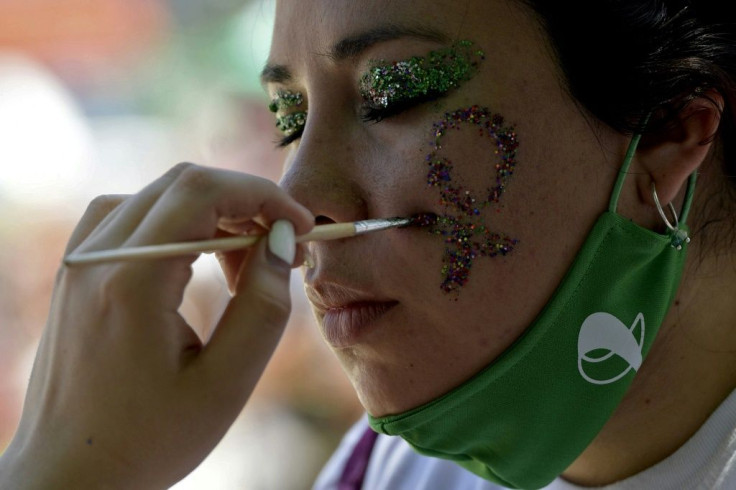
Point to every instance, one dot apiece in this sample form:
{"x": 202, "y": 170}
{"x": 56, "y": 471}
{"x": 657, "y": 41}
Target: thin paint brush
{"x": 323, "y": 232}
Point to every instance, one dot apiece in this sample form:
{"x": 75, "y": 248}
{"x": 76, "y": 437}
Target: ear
{"x": 670, "y": 155}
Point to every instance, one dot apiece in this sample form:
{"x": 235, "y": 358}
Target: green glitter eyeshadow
{"x": 285, "y": 99}
{"x": 290, "y": 123}
{"x": 420, "y": 77}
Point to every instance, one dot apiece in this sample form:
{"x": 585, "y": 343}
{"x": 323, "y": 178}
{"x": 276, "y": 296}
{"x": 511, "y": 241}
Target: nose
{"x": 324, "y": 175}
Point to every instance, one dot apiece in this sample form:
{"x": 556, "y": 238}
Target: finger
{"x": 194, "y": 204}
{"x": 190, "y": 209}
{"x": 231, "y": 262}
{"x": 118, "y": 226}
{"x": 97, "y": 210}
{"x": 242, "y": 227}
{"x": 251, "y": 326}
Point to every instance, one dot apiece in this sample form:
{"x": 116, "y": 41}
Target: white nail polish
{"x": 281, "y": 240}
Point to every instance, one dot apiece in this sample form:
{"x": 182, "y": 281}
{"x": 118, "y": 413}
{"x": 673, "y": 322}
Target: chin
{"x": 382, "y": 392}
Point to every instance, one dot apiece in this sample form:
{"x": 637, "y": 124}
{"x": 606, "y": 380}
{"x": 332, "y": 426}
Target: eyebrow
{"x": 353, "y": 45}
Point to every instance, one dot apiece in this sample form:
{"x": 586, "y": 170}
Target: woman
{"x": 506, "y": 330}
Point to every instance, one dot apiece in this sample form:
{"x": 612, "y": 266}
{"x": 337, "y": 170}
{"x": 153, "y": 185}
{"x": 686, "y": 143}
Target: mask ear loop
{"x": 623, "y": 172}
{"x": 678, "y": 235}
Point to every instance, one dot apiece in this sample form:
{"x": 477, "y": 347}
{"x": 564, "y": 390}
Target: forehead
{"x": 520, "y": 74}
{"x": 321, "y": 21}
{"x": 314, "y": 27}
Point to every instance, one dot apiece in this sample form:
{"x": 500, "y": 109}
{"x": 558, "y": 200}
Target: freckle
{"x": 647, "y": 401}
{"x": 677, "y": 302}
{"x": 89, "y": 441}
{"x": 411, "y": 364}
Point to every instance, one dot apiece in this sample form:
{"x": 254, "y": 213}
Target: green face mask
{"x": 525, "y": 418}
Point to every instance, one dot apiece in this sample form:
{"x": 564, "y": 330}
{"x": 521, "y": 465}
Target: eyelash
{"x": 372, "y": 114}
{"x": 289, "y": 139}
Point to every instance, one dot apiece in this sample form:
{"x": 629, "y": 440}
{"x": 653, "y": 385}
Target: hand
{"x": 123, "y": 393}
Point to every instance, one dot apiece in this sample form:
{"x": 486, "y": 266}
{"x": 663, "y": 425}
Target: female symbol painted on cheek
{"x": 463, "y": 228}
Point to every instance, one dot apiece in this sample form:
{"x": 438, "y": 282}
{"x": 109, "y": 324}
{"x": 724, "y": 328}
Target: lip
{"x": 345, "y": 326}
{"x": 346, "y": 315}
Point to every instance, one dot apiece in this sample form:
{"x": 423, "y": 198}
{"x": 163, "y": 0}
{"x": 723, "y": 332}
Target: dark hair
{"x": 624, "y": 59}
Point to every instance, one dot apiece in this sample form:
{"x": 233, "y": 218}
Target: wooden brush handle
{"x": 148, "y": 252}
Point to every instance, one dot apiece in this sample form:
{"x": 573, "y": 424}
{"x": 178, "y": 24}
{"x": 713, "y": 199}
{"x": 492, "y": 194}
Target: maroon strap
{"x": 354, "y": 473}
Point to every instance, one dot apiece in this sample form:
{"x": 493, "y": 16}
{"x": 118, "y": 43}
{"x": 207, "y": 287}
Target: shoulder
{"x": 394, "y": 464}
{"x": 705, "y": 462}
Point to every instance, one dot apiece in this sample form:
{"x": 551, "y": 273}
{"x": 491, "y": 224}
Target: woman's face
{"x": 494, "y": 146}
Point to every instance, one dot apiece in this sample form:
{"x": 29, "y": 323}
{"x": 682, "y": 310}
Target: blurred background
{"x": 101, "y": 97}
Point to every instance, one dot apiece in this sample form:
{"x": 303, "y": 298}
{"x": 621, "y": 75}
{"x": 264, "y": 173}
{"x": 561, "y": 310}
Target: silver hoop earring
{"x": 678, "y": 236}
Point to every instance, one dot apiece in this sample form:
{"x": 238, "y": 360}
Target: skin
{"x": 123, "y": 394}
{"x": 345, "y": 169}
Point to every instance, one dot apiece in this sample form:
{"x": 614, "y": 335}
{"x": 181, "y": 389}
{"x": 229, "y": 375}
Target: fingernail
{"x": 281, "y": 242}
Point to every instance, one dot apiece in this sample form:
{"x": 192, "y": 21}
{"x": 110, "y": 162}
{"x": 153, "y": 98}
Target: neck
{"x": 689, "y": 371}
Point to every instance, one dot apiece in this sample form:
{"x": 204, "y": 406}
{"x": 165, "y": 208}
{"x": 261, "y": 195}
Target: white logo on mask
{"x": 604, "y": 332}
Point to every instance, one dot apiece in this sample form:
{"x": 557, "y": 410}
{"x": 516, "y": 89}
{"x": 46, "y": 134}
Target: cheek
{"x": 472, "y": 158}
{"x": 394, "y": 171}
{"x": 457, "y": 168}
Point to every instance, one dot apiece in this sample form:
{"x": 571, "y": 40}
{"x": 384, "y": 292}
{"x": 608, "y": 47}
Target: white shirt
{"x": 707, "y": 461}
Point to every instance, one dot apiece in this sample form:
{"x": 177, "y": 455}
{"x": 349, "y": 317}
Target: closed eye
{"x": 373, "y": 113}
{"x": 292, "y": 127}
{"x": 289, "y": 139}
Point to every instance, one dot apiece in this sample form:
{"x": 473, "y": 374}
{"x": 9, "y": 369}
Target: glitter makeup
{"x": 466, "y": 235}
{"x": 420, "y": 77}
{"x": 285, "y": 99}
{"x": 290, "y": 123}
